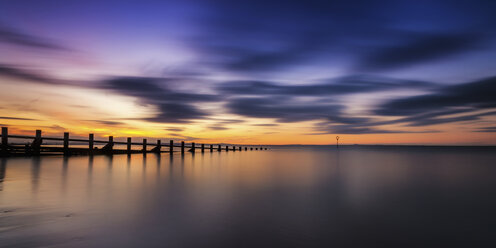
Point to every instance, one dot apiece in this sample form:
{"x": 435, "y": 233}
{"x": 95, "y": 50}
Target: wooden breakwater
{"x": 36, "y": 146}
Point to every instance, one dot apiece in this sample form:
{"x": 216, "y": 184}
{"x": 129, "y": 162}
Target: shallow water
{"x": 292, "y": 197}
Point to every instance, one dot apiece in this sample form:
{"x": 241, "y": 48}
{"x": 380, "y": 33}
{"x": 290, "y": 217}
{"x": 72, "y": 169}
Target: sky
{"x": 252, "y": 72}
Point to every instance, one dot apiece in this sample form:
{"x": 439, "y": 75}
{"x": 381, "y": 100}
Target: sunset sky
{"x": 252, "y": 72}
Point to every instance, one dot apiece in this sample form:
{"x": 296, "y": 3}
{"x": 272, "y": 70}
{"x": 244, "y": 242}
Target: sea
{"x": 286, "y": 196}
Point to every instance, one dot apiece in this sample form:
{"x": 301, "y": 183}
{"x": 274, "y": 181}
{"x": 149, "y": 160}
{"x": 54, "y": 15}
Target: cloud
{"x": 329, "y": 87}
{"x": 17, "y": 118}
{"x": 16, "y": 37}
{"x": 281, "y": 109}
{"x": 475, "y": 95}
{"x": 265, "y": 125}
{"x": 173, "y": 106}
{"x": 350, "y": 129}
{"x": 420, "y": 48}
{"x": 11, "y": 71}
{"x": 108, "y": 122}
{"x": 218, "y": 128}
{"x": 486, "y": 130}
{"x": 267, "y": 37}
{"x": 174, "y": 129}
{"x": 57, "y": 127}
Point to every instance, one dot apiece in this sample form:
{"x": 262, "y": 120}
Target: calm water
{"x": 297, "y": 197}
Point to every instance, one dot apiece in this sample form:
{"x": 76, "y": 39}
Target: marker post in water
{"x": 337, "y": 141}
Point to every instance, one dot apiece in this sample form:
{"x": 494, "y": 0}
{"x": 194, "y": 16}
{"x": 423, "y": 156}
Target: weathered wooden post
{"x": 171, "y": 146}
{"x": 211, "y": 148}
{"x": 182, "y": 147}
{"x": 234, "y": 148}
{"x": 128, "y": 145}
{"x": 240, "y": 148}
{"x": 5, "y": 139}
{"x": 144, "y": 146}
{"x": 111, "y": 143}
{"x": 91, "y": 140}
{"x": 37, "y": 142}
{"x": 159, "y": 146}
{"x": 192, "y": 147}
{"x": 227, "y": 148}
{"x": 66, "y": 143}
{"x": 246, "y": 148}
{"x": 219, "y": 148}
{"x": 251, "y": 148}
{"x": 109, "y": 147}
{"x": 202, "y": 148}
{"x": 256, "y": 148}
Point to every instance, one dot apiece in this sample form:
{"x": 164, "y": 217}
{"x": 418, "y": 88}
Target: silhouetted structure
{"x": 37, "y": 148}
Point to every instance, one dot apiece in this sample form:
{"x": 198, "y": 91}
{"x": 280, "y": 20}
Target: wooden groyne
{"x": 35, "y": 146}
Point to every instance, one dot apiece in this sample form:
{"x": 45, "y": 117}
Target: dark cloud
{"x": 425, "y": 47}
{"x": 180, "y": 112}
{"x": 282, "y": 109}
{"x": 486, "y": 130}
{"x": 173, "y": 106}
{"x": 351, "y": 129}
{"x": 227, "y": 121}
{"x": 218, "y": 128}
{"x": 16, "y": 37}
{"x": 174, "y": 129}
{"x": 438, "y": 120}
{"x": 270, "y": 37}
{"x": 11, "y": 71}
{"x": 265, "y": 125}
{"x": 474, "y": 95}
{"x": 445, "y": 104}
{"x": 16, "y": 118}
{"x": 329, "y": 87}
{"x": 108, "y": 122}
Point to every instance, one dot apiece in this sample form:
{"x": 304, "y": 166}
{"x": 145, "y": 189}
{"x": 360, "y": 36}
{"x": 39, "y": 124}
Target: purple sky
{"x": 331, "y": 67}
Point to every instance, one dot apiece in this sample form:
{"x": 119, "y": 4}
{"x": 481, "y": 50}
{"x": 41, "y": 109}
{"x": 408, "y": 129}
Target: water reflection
{"x": 3, "y": 168}
{"x": 35, "y": 173}
{"x": 311, "y": 198}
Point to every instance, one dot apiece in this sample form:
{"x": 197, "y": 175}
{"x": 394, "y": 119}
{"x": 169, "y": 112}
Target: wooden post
{"x": 111, "y": 143}
{"x": 66, "y": 143}
{"x": 91, "y": 140}
{"x": 5, "y": 139}
{"x": 128, "y": 148}
{"x": 251, "y": 148}
{"x": 246, "y": 148}
{"x": 227, "y": 148}
{"x": 192, "y": 147}
{"x": 37, "y": 142}
{"x": 171, "y": 146}
{"x": 144, "y": 146}
{"x": 182, "y": 147}
{"x": 202, "y": 148}
{"x": 211, "y": 148}
{"x": 256, "y": 148}
{"x": 219, "y": 148}
{"x": 109, "y": 147}
{"x": 240, "y": 148}
{"x": 234, "y": 148}
{"x": 159, "y": 146}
